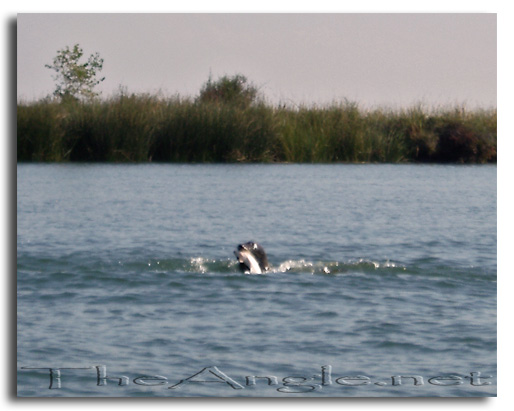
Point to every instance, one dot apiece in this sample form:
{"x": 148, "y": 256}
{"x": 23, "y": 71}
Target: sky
{"x": 393, "y": 60}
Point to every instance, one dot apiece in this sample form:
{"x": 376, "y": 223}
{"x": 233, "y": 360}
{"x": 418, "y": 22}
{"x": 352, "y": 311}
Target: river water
{"x": 383, "y": 280}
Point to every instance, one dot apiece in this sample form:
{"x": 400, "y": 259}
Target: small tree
{"x": 75, "y": 79}
{"x": 229, "y": 90}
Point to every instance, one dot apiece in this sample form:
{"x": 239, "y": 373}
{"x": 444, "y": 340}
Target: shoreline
{"x": 144, "y": 128}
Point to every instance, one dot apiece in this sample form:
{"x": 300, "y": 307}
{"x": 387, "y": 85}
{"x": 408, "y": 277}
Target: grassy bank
{"x": 140, "y": 128}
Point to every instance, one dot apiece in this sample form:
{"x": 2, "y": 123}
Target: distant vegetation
{"x": 75, "y": 79}
{"x": 228, "y": 122}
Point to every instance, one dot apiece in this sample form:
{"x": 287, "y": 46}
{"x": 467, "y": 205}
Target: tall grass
{"x": 137, "y": 128}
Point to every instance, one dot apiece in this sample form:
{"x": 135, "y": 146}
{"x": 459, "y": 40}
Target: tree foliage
{"x": 75, "y": 79}
{"x": 229, "y": 90}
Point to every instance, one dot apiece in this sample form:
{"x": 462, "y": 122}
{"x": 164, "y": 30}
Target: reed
{"x": 39, "y": 131}
{"x": 140, "y": 128}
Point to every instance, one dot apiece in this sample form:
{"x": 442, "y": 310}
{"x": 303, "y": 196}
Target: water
{"x": 378, "y": 271}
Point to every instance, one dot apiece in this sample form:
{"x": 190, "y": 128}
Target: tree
{"x": 75, "y": 79}
{"x": 230, "y": 90}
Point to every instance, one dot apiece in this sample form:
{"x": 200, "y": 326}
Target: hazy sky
{"x": 374, "y": 59}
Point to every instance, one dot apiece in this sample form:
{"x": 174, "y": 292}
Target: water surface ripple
{"x": 377, "y": 271}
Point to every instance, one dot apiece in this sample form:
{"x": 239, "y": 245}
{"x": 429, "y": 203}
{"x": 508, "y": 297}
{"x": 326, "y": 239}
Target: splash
{"x": 205, "y": 265}
{"x": 333, "y": 267}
